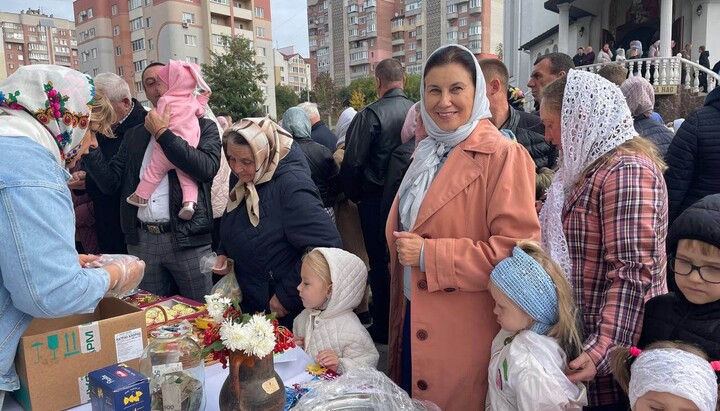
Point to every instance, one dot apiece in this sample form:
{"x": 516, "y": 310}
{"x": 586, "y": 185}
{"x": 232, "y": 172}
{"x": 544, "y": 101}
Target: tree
{"x": 285, "y": 97}
{"x": 365, "y": 85}
{"x": 412, "y": 86}
{"x": 357, "y": 100}
{"x": 326, "y": 95}
{"x": 233, "y": 77}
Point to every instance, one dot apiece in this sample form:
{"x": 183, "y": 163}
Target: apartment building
{"x": 292, "y": 69}
{"x": 349, "y": 37}
{"x": 31, "y": 37}
{"x": 124, "y": 36}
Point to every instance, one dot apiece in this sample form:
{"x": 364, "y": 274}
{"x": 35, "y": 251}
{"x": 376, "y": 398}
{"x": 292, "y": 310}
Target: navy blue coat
{"x": 292, "y": 220}
{"x": 654, "y": 131}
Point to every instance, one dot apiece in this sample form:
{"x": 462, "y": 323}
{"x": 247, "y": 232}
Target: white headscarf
{"x": 343, "y": 123}
{"x": 595, "y": 119}
{"x": 676, "y": 372}
{"x": 431, "y": 150}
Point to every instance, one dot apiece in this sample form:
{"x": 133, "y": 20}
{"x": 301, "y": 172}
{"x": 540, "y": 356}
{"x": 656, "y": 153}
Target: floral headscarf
{"x": 58, "y": 98}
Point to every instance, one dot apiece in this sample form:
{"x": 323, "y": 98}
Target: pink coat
{"x": 479, "y": 205}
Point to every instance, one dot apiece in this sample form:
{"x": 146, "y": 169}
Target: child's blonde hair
{"x": 567, "y": 329}
{"x": 621, "y": 360}
{"x": 319, "y": 264}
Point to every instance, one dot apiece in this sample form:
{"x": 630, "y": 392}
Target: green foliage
{"x": 357, "y": 100}
{"x": 326, "y": 95}
{"x": 412, "y": 86}
{"x": 233, "y": 77}
{"x": 366, "y": 86}
{"x": 285, "y": 97}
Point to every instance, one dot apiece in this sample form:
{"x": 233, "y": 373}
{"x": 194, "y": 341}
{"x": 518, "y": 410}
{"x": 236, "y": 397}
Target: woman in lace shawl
{"x": 604, "y": 221}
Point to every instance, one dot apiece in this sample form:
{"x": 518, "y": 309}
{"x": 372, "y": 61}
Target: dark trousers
{"x": 373, "y": 228}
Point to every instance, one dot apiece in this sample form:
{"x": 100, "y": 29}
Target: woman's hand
{"x": 581, "y": 369}
{"x": 77, "y": 182}
{"x": 328, "y": 359}
{"x": 156, "y": 123}
{"x": 85, "y": 259}
{"x": 299, "y": 341}
{"x": 408, "y": 247}
{"x": 222, "y": 265}
{"x": 277, "y": 308}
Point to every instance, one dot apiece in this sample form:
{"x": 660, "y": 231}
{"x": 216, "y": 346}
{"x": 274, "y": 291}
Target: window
{"x": 214, "y": 20}
{"x": 91, "y": 33}
{"x": 412, "y": 46}
{"x": 353, "y": 20}
{"x": 9, "y": 46}
{"x": 225, "y": 2}
{"x": 139, "y": 86}
{"x": 84, "y": 56}
{"x": 188, "y": 18}
{"x": 373, "y": 27}
{"x": 475, "y": 44}
{"x": 475, "y": 4}
{"x": 261, "y": 51}
{"x": 452, "y": 35}
{"x": 190, "y": 40}
{"x": 475, "y": 30}
{"x": 353, "y": 8}
{"x": 259, "y": 12}
{"x": 120, "y": 71}
{"x": 9, "y": 56}
{"x": 463, "y": 22}
{"x": 12, "y": 66}
{"x": 239, "y": 25}
{"x": 148, "y": 3}
{"x": 148, "y": 22}
{"x": 95, "y": 72}
{"x": 140, "y": 65}
{"x": 190, "y": 59}
{"x": 353, "y": 32}
{"x": 463, "y": 35}
{"x": 133, "y": 4}
{"x": 90, "y": 13}
{"x": 118, "y": 51}
{"x": 93, "y": 53}
{"x": 138, "y": 44}
{"x": 136, "y": 24}
{"x": 116, "y": 31}
{"x": 33, "y": 29}
{"x": 452, "y": 9}
{"x": 463, "y": 8}
{"x": 21, "y": 57}
{"x": 114, "y": 9}
{"x": 151, "y": 43}
{"x": 218, "y": 40}
{"x": 260, "y": 31}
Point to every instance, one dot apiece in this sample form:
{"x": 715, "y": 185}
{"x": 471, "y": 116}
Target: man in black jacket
{"x": 171, "y": 247}
{"x": 528, "y": 128}
{"x": 373, "y": 135}
{"x": 129, "y": 113}
{"x": 705, "y": 62}
{"x": 579, "y": 57}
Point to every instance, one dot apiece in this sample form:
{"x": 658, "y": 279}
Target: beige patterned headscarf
{"x": 270, "y": 144}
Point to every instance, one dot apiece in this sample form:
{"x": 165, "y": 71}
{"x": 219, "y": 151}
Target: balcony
{"x": 452, "y": 16}
{"x": 358, "y": 62}
{"x": 475, "y": 47}
{"x": 397, "y": 42}
{"x": 243, "y": 14}
{"x": 13, "y": 36}
{"x": 398, "y": 53}
{"x": 419, "y": 34}
{"x": 475, "y": 7}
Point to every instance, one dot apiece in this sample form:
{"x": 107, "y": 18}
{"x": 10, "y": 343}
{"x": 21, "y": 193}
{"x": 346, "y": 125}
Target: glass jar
{"x": 175, "y": 365}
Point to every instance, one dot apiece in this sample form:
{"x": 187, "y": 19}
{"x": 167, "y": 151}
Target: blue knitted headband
{"x": 525, "y": 282}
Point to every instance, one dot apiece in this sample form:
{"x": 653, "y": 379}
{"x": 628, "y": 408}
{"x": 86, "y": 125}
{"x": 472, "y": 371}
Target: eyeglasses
{"x": 708, "y": 273}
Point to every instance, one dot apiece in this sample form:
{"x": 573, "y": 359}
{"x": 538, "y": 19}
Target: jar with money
{"x": 174, "y": 363}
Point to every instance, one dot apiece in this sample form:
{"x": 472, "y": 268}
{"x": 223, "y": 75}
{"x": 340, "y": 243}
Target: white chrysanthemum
{"x": 235, "y": 337}
{"x": 216, "y": 306}
{"x": 262, "y": 336}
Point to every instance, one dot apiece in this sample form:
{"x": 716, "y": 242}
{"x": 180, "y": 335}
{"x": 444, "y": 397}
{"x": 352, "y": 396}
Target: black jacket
{"x": 530, "y": 132}
{"x": 705, "y": 59}
{"x": 122, "y": 174}
{"x": 693, "y": 157}
{"x": 372, "y": 137}
{"x": 323, "y": 135}
{"x": 656, "y": 132}
{"x": 107, "y": 207}
{"x": 324, "y": 171}
{"x": 578, "y": 60}
{"x": 292, "y": 221}
{"x": 399, "y": 163}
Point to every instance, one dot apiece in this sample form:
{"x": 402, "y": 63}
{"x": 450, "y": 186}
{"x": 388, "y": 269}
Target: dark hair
{"x": 450, "y": 55}
{"x": 232, "y": 136}
{"x": 579, "y": 48}
{"x": 497, "y": 68}
{"x": 155, "y": 64}
{"x": 558, "y": 62}
{"x": 390, "y": 70}
{"x": 615, "y": 73}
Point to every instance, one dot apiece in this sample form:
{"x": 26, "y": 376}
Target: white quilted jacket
{"x": 337, "y": 327}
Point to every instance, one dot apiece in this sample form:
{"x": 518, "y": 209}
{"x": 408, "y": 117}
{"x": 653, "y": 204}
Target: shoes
{"x": 136, "y": 200}
{"x": 186, "y": 213}
{"x": 365, "y": 318}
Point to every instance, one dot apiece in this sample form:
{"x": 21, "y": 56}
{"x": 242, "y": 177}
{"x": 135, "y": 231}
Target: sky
{"x": 289, "y": 18}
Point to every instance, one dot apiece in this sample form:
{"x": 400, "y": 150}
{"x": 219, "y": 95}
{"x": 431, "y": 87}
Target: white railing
{"x": 666, "y": 71}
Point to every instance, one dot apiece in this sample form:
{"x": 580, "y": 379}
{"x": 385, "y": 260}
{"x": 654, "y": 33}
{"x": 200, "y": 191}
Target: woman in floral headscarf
{"x": 604, "y": 220}
{"x": 46, "y": 125}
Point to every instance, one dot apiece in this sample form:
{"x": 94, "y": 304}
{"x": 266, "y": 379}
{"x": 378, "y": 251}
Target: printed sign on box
{"x": 55, "y": 355}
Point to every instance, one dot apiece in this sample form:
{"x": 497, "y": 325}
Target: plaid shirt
{"x": 615, "y": 222}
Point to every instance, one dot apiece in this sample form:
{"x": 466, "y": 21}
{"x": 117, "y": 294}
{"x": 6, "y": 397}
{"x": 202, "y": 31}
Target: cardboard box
{"x": 55, "y": 355}
{"x": 119, "y": 388}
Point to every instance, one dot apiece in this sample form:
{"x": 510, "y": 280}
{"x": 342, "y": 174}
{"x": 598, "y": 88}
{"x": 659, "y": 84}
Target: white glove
{"x": 132, "y": 272}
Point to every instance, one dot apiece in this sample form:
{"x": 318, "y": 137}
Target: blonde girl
{"x": 667, "y": 376}
{"x": 535, "y": 308}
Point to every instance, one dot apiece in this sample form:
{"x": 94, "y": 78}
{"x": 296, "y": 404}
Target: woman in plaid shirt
{"x": 604, "y": 221}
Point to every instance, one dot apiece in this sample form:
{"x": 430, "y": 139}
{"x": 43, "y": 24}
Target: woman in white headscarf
{"x": 604, "y": 220}
{"x": 465, "y": 201}
{"x": 46, "y": 125}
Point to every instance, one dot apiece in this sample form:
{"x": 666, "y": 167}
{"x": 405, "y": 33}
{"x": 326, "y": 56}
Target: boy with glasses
{"x": 692, "y": 312}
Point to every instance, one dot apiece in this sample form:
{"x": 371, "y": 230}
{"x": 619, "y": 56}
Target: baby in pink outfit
{"x": 177, "y": 84}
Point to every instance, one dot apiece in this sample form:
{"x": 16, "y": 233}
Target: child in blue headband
{"x": 535, "y": 307}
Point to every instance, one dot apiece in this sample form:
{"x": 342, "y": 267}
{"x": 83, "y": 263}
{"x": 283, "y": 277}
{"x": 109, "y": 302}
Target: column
{"x": 666, "y": 21}
{"x": 564, "y": 27}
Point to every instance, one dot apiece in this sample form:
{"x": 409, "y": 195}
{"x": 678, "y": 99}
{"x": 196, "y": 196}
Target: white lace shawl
{"x": 595, "y": 119}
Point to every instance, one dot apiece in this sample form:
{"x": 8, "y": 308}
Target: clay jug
{"x": 252, "y": 385}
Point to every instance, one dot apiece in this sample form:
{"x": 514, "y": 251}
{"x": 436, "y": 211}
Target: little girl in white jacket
{"x": 333, "y": 283}
{"x": 535, "y": 307}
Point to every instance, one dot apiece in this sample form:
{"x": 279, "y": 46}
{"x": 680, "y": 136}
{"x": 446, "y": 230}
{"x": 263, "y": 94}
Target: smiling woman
{"x": 440, "y": 263}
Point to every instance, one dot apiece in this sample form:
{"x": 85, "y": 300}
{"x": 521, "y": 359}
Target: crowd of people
{"x": 508, "y": 259}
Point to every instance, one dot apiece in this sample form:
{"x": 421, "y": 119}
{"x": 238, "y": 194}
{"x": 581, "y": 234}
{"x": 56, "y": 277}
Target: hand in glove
{"x": 132, "y": 272}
